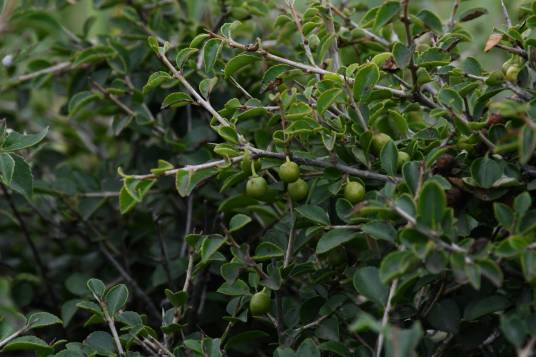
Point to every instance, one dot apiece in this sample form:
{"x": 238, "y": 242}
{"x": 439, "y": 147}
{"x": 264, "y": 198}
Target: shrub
{"x": 266, "y": 178}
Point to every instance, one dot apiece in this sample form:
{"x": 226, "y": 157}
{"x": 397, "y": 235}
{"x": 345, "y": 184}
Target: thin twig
{"x": 506, "y": 15}
{"x": 385, "y": 318}
{"x": 305, "y": 67}
{"x": 111, "y": 325}
{"x": 369, "y": 34}
{"x": 528, "y": 349}
{"x": 305, "y": 43}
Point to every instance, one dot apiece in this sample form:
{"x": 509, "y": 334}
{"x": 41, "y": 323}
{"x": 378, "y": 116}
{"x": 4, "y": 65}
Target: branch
{"x": 14, "y": 335}
{"x": 305, "y": 67}
{"x": 368, "y": 34}
{"x": 506, "y": 15}
{"x": 385, "y": 318}
{"x": 517, "y": 51}
{"x": 304, "y": 41}
{"x": 110, "y": 320}
{"x": 452, "y": 20}
{"x": 527, "y": 350}
{"x": 333, "y": 50}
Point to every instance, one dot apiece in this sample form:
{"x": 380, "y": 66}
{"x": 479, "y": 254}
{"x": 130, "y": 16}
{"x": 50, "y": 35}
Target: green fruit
{"x": 260, "y": 303}
{"x": 378, "y": 142}
{"x": 245, "y": 165}
{"x": 289, "y": 171}
{"x": 354, "y": 192}
{"x": 298, "y": 190}
{"x": 256, "y": 187}
{"x": 403, "y": 157}
{"x": 512, "y": 73}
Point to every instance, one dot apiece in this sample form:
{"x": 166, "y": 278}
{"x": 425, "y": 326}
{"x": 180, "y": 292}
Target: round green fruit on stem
{"x": 378, "y": 142}
{"x": 403, "y": 157}
{"x": 289, "y": 171}
{"x": 354, "y": 192}
{"x": 512, "y": 73}
{"x": 298, "y": 190}
{"x": 260, "y": 303}
{"x": 256, "y": 187}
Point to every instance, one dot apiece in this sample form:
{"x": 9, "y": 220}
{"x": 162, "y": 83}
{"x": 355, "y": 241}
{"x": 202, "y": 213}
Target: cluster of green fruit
{"x": 297, "y": 188}
{"x": 289, "y": 172}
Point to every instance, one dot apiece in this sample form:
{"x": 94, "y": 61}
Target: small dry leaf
{"x": 492, "y": 41}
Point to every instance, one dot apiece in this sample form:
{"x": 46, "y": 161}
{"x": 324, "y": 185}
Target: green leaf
{"x": 433, "y": 57}
{"x": 365, "y": 80}
{"x": 187, "y": 180}
{"x": 503, "y": 214}
{"x": 484, "y": 306}
{"x": 380, "y": 230}
{"x": 431, "y": 21}
{"x": 184, "y": 55}
{"x": 211, "y": 52}
{"x": 527, "y": 144}
{"x": 327, "y": 98}
{"x": 42, "y": 319}
{"x": 314, "y": 213}
{"x": 386, "y": 13}
{"x": 389, "y": 158}
{"x": 238, "y": 63}
{"x": 432, "y": 205}
{"x": 210, "y": 246}
{"x": 176, "y": 100}
{"x": 395, "y": 264}
{"x": 472, "y": 14}
{"x": 177, "y": 299}
{"x": 308, "y": 349}
{"x": 116, "y": 298}
{"x": 96, "y": 287}
{"x": 93, "y": 54}
{"x": 7, "y": 167}
{"x": 102, "y": 342}
{"x": 411, "y": 174}
{"x": 272, "y": 74}
{"x": 367, "y": 282}
{"x": 22, "y": 179}
{"x": 485, "y": 171}
{"x": 238, "y": 222}
{"x": 16, "y": 141}
{"x": 80, "y": 100}
{"x": 522, "y": 203}
{"x": 155, "y": 80}
{"x": 238, "y": 288}
{"x": 333, "y": 239}
{"x": 267, "y": 251}
{"x": 402, "y": 55}
{"x": 29, "y": 343}
{"x": 126, "y": 201}
{"x": 451, "y": 99}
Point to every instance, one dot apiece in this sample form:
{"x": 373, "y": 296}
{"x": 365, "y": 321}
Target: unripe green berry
{"x": 354, "y": 192}
{"x": 256, "y": 187}
{"x": 260, "y": 303}
{"x": 298, "y": 190}
{"x": 289, "y": 171}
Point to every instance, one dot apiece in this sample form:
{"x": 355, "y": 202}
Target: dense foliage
{"x": 319, "y": 178}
